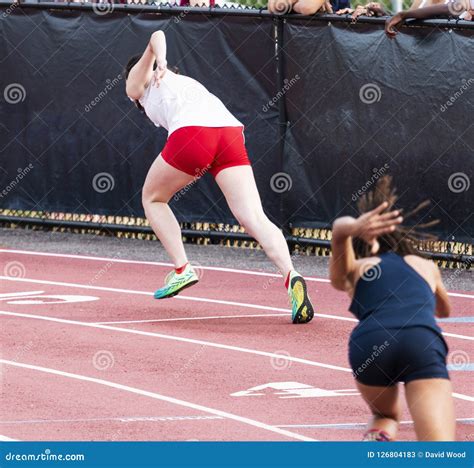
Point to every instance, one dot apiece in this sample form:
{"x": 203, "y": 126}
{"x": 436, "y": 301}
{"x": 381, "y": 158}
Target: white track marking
{"x": 180, "y": 297}
{"x": 179, "y": 319}
{"x": 75, "y": 285}
{"x": 462, "y": 337}
{"x": 19, "y": 294}
{"x": 197, "y": 299}
{"x": 199, "y": 342}
{"x": 466, "y": 296}
{"x": 463, "y": 397}
{"x": 124, "y": 419}
{"x": 350, "y": 425}
{"x": 157, "y": 396}
{"x": 141, "y": 262}
{"x": 7, "y": 439}
{"x": 211, "y": 344}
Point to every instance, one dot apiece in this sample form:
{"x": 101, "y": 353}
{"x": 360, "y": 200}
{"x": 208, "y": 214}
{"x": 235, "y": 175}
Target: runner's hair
{"x": 405, "y": 240}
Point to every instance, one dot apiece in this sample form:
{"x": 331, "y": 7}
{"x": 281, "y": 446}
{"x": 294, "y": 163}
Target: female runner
{"x": 395, "y": 295}
{"x": 202, "y": 136}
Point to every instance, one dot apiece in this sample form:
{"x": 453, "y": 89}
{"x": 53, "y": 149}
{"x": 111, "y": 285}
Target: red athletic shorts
{"x": 197, "y": 150}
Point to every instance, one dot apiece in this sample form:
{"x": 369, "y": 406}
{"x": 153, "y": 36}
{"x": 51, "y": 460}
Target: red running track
{"x": 88, "y": 354}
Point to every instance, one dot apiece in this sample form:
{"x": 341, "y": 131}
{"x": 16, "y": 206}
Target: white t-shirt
{"x": 180, "y": 101}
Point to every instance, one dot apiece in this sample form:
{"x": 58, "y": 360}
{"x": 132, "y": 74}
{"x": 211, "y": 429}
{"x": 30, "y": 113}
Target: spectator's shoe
{"x": 176, "y": 282}
{"x": 302, "y": 309}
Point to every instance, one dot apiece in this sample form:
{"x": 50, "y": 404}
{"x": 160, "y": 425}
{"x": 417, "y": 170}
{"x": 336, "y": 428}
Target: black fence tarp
{"x": 376, "y": 107}
{"x": 357, "y": 106}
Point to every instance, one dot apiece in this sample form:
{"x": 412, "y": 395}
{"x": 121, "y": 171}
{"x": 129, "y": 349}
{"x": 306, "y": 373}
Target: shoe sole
{"x": 187, "y": 285}
{"x": 308, "y": 314}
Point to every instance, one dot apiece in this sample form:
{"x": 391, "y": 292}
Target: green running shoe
{"x": 175, "y": 283}
{"x": 302, "y": 309}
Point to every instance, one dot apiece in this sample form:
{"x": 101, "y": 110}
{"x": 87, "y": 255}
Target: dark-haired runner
{"x": 395, "y": 295}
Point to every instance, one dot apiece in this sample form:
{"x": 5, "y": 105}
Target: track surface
{"x": 118, "y": 365}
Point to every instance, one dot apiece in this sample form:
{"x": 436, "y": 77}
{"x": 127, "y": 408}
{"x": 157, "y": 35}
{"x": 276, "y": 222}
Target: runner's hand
{"x": 373, "y": 224}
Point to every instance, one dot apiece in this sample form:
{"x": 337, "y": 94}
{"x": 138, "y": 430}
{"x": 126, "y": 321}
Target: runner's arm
{"x": 141, "y": 74}
{"x": 368, "y": 227}
{"x": 443, "y": 306}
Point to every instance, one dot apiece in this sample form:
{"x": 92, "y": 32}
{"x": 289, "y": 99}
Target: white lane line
{"x": 463, "y": 397}
{"x": 180, "y": 297}
{"x": 462, "y": 337}
{"x": 179, "y": 319}
{"x": 352, "y": 425}
{"x": 141, "y": 262}
{"x": 125, "y": 419}
{"x": 467, "y": 296}
{"x": 157, "y": 396}
{"x": 223, "y": 317}
{"x": 199, "y": 342}
{"x": 7, "y": 439}
{"x": 177, "y": 338}
{"x": 20, "y": 294}
{"x": 197, "y": 299}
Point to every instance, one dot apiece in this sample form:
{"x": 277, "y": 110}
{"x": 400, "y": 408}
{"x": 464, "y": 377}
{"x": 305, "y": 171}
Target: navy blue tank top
{"x": 392, "y": 295}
